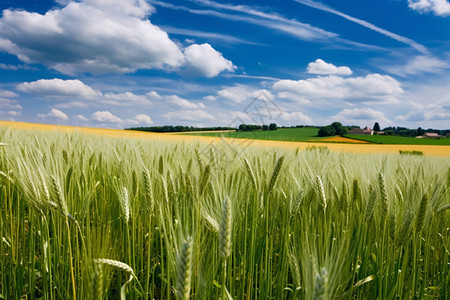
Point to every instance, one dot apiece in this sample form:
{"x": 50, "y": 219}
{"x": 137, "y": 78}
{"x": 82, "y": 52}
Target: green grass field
{"x": 92, "y": 217}
{"x": 399, "y": 140}
{"x": 282, "y": 134}
{"x": 310, "y": 134}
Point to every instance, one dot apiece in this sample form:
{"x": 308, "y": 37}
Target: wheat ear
{"x": 225, "y": 229}
{"x": 184, "y": 265}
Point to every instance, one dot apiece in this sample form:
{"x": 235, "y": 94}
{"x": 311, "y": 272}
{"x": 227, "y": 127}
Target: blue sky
{"x": 126, "y": 63}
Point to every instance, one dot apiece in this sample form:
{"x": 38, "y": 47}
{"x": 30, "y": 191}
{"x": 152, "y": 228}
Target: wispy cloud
{"x": 249, "y": 15}
{"x": 399, "y": 38}
{"x": 206, "y": 35}
{"x": 251, "y": 77}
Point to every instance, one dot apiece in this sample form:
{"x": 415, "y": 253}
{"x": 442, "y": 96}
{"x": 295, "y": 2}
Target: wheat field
{"x": 86, "y": 216}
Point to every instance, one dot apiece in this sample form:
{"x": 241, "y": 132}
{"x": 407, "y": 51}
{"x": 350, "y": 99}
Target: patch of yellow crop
{"x": 341, "y": 139}
{"x": 433, "y": 150}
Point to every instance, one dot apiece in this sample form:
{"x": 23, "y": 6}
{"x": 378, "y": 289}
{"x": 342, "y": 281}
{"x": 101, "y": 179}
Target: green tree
{"x": 376, "y": 127}
{"x": 420, "y": 131}
{"x": 338, "y": 129}
{"x": 272, "y": 126}
{"x": 265, "y": 127}
{"x": 327, "y": 131}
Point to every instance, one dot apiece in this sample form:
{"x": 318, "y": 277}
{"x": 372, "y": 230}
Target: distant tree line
{"x": 178, "y": 128}
{"x": 251, "y": 127}
{"x": 403, "y": 131}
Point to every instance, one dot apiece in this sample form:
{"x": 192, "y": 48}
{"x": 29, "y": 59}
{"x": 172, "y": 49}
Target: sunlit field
{"x": 334, "y": 146}
{"x": 93, "y": 216}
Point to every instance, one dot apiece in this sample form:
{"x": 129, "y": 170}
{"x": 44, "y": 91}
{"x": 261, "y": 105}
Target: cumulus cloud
{"x": 54, "y": 113}
{"x": 297, "y": 116}
{"x": 126, "y": 98}
{"x": 439, "y": 111}
{"x": 143, "y": 119}
{"x": 360, "y": 116}
{"x": 9, "y": 104}
{"x": 183, "y": 103}
{"x": 241, "y": 93}
{"x": 419, "y": 64}
{"x": 91, "y": 36}
{"x": 105, "y": 117}
{"x": 203, "y": 61}
{"x": 70, "y": 89}
{"x": 153, "y": 95}
{"x": 7, "y": 94}
{"x": 323, "y": 68}
{"x": 81, "y": 118}
{"x": 370, "y": 88}
{"x": 189, "y": 115}
{"x": 438, "y": 7}
{"x": 210, "y": 98}
{"x": 102, "y": 36}
{"x": 59, "y": 87}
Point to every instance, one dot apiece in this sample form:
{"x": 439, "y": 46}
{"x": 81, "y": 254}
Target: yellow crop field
{"x": 340, "y": 139}
{"x": 362, "y": 147}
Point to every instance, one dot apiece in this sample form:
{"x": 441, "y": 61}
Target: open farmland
{"x": 399, "y": 140}
{"x": 281, "y": 134}
{"x": 90, "y": 216}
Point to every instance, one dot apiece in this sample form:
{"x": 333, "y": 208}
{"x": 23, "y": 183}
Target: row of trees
{"x": 403, "y": 131}
{"x": 251, "y": 127}
{"x": 178, "y": 128}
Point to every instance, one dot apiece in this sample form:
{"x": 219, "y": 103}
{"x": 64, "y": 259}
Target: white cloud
{"x": 241, "y": 93}
{"x": 183, "y": 103}
{"x": 58, "y": 114}
{"x": 7, "y": 94}
{"x": 189, "y": 115}
{"x": 108, "y": 117}
{"x": 81, "y": 118}
{"x": 13, "y": 113}
{"x": 360, "y": 116}
{"x": 438, "y": 111}
{"x": 72, "y": 104}
{"x": 210, "y": 98}
{"x": 143, "y": 119}
{"x": 54, "y": 113}
{"x": 9, "y": 104}
{"x": 137, "y": 8}
{"x": 370, "y": 88}
{"x": 102, "y": 36}
{"x": 105, "y": 117}
{"x": 419, "y": 64}
{"x": 153, "y": 95}
{"x": 438, "y": 7}
{"x": 296, "y": 116}
{"x": 91, "y": 36}
{"x": 203, "y": 60}
{"x": 59, "y": 87}
{"x": 126, "y": 98}
{"x": 323, "y": 68}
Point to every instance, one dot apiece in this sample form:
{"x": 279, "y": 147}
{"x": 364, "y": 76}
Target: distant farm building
{"x": 365, "y": 131}
{"x": 430, "y": 135}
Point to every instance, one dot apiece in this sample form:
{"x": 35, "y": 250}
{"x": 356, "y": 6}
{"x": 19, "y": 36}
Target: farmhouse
{"x": 430, "y": 135}
{"x": 365, "y": 131}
